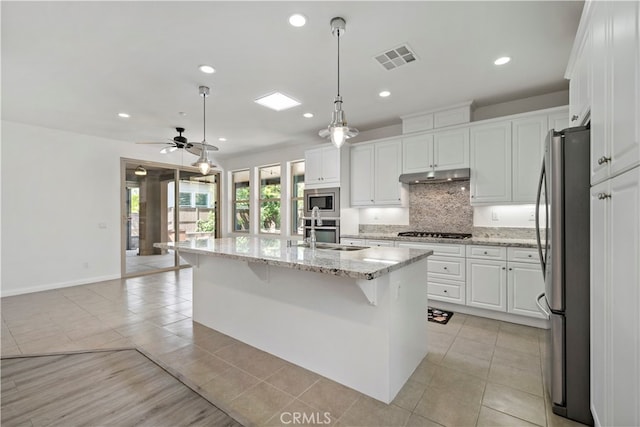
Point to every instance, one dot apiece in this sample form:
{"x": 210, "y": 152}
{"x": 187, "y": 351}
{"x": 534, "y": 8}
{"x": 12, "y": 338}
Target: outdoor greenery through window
{"x": 270, "y": 191}
{"x": 297, "y": 197}
{"x": 241, "y": 194}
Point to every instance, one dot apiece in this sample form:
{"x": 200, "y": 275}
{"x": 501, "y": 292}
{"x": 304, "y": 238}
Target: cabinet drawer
{"x": 487, "y": 252}
{"x": 352, "y": 242}
{"x": 437, "y": 248}
{"x": 523, "y": 255}
{"x": 380, "y": 243}
{"x": 442, "y": 291}
{"x": 446, "y": 267}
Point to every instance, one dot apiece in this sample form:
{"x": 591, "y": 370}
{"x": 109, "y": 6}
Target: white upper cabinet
{"x": 580, "y": 84}
{"x": 417, "y": 153}
{"x": 436, "y": 151}
{"x": 615, "y": 110}
{"x": 322, "y": 167}
{"x": 375, "y": 169}
{"x": 491, "y": 163}
{"x": 528, "y": 150}
{"x": 387, "y": 169}
{"x": 361, "y": 175}
{"x": 559, "y": 121}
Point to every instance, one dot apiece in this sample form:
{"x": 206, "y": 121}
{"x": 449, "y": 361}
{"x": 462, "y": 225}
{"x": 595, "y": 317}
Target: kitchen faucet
{"x": 315, "y": 220}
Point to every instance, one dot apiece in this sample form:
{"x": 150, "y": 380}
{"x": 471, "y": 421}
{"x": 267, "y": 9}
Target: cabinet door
{"x": 491, "y": 163}
{"x": 417, "y": 153}
{"x": 313, "y": 166}
{"x": 599, "y": 303}
{"x": 528, "y": 150}
{"x": 387, "y": 169}
{"x": 524, "y": 284}
{"x": 600, "y": 26}
{"x": 580, "y": 84}
{"x": 625, "y": 72}
{"x": 451, "y": 149}
{"x": 487, "y": 284}
{"x": 362, "y": 175}
{"x": 624, "y": 308}
{"x": 331, "y": 165}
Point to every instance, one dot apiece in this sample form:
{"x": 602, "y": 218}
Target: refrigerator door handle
{"x": 537, "y": 216}
{"x": 541, "y": 307}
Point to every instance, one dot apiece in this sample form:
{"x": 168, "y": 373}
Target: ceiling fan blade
{"x": 196, "y": 148}
{"x": 152, "y": 142}
{"x": 166, "y": 150}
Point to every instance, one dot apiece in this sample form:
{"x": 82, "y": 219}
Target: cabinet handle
{"x": 430, "y": 166}
{"x": 444, "y": 268}
{"x": 574, "y": 117}
{"x": 371, "y": 200}
{"x": 603, "y": 196}
{"x": 530, "y": 255}
{"x": 510, "y": 269}
{"x": 445, "y": 291}
{"x": 504, "y": 268}
{"x": 485, "y": 252}
{"x": 472, "y": 196}
{"x": 435, "y": 166}
{"x": 604, "y": 159}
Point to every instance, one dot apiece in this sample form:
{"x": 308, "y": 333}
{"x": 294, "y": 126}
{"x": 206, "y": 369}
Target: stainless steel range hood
{"x": 433, "y": 177}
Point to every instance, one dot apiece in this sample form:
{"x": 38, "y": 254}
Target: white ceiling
{"x": 75, "y": 65}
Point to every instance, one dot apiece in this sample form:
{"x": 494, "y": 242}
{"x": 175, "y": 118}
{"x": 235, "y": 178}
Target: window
{"x": 270, "y": 199}
{"x": 241, "y": 194}
{"x": 297, "y": 197}
{"x": 202, "y": 200}
{"x": 185, "y": 199}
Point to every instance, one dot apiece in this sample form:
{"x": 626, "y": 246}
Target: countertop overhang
{"x": 366, "y": 264}
{"x": 488, "y": 241}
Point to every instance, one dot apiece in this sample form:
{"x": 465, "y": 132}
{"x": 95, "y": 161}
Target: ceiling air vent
{"x": 394, "y": 58}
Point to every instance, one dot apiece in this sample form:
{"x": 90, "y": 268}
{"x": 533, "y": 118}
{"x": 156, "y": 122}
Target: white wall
{"x": 533, "y": 103}
{"x": 56, "y": 188}
{"x": 504, "y": 216}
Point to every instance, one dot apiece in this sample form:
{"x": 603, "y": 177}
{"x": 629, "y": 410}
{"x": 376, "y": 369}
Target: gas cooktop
{"x": 435, "y": 234}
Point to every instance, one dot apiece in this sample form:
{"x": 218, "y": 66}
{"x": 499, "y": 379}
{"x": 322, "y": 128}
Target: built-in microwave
{"x": 326, "y": 199}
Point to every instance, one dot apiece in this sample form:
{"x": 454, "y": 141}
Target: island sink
{"x": 334, "y": 247}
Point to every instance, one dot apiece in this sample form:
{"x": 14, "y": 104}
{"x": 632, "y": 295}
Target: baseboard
{"x": 59, "y": 285}
{"x": 497, "y": 315}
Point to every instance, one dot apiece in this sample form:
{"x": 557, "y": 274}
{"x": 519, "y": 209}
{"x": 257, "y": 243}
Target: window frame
{"x": 235, "y": 201}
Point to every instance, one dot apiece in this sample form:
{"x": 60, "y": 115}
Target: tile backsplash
{"x": 441, "y": 207}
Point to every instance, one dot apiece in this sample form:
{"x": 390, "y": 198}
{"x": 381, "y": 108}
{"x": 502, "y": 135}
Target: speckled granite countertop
{"x": 488, "y": 241}
{"x": 365, "y": 264}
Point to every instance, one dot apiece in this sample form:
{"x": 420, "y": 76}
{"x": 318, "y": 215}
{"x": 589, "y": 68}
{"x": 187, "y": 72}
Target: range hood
{"x": 432, "y": 177}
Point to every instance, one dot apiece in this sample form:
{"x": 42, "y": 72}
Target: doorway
{"x": 164, "y": 203}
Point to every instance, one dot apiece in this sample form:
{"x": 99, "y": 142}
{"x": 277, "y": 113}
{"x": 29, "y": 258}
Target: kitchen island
{"x": 356, "y": 316}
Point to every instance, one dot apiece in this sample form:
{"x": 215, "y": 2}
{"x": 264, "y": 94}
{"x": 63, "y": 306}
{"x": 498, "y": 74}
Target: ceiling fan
{"x": 180, "y": 141}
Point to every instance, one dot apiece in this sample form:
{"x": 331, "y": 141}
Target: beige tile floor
{"x": 479, "y": 372}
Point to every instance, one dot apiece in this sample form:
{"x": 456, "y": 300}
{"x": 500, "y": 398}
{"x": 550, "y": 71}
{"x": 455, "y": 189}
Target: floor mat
{"x": 438, "y": 316}
{"x": 121, "y": 387}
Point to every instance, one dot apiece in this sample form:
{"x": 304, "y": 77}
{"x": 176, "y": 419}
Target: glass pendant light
{"x": 204, "y": 163}
{"x": 338, "y": 131}
{"x": 140, "y": 171}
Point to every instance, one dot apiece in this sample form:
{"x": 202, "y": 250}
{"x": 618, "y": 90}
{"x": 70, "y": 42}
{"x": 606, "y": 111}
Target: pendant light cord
{"x": 204, "y": 119}
{"x": 338, "y": 35}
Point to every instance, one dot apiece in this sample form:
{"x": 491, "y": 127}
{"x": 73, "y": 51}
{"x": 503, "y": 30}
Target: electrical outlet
{"x": 494, "y": 216}
{"x": 532, "y": 216}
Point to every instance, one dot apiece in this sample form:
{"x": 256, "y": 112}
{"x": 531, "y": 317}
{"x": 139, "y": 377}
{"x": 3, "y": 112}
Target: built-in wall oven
{"x": 326, "y": 199}
{"x": 328, "y": 232}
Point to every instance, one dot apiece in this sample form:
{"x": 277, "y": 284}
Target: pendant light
{"x": 140, "y": 171}
{"x": 338, "y": 131}
{"x": 203, "y": 163}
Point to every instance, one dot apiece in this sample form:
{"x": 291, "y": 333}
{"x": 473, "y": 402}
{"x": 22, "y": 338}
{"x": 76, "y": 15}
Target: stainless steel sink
{"x": 334, "y": 247}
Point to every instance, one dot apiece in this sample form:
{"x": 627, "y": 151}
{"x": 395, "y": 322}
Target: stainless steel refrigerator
{"x": 563, "y": 242}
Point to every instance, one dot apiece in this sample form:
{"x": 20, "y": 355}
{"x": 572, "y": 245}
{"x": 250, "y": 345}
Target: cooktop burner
{"x": 434, "y": 234}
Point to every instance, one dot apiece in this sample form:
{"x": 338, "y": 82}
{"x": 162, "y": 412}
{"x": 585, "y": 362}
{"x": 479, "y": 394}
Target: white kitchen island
{"x": 356, "y": 317}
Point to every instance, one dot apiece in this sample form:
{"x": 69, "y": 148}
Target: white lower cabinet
{"x": 504, "y": 279}
{"x": 487, "y": 284}
{"x": 446, "y": 271}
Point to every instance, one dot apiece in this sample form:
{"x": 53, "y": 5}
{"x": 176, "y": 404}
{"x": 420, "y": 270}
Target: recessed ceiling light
{"x": 277, "y": 101}
{"x": 308, "y": 115}
{"x": 384, "y": 94}
{"x": 297, "y": 20}
{"x": 222, "y": 139}
{"x": 208, "y": 69}
{"x": 124, "y": 115}
{"x": 502, "y": 60}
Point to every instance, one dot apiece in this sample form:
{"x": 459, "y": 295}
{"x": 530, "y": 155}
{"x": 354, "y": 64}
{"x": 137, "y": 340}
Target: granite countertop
{"x": 488, "y": 241}
{"x": 368, "y": 263}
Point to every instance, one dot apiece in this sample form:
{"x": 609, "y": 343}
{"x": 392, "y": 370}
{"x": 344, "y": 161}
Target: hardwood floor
{"x": 117, "y": 388}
